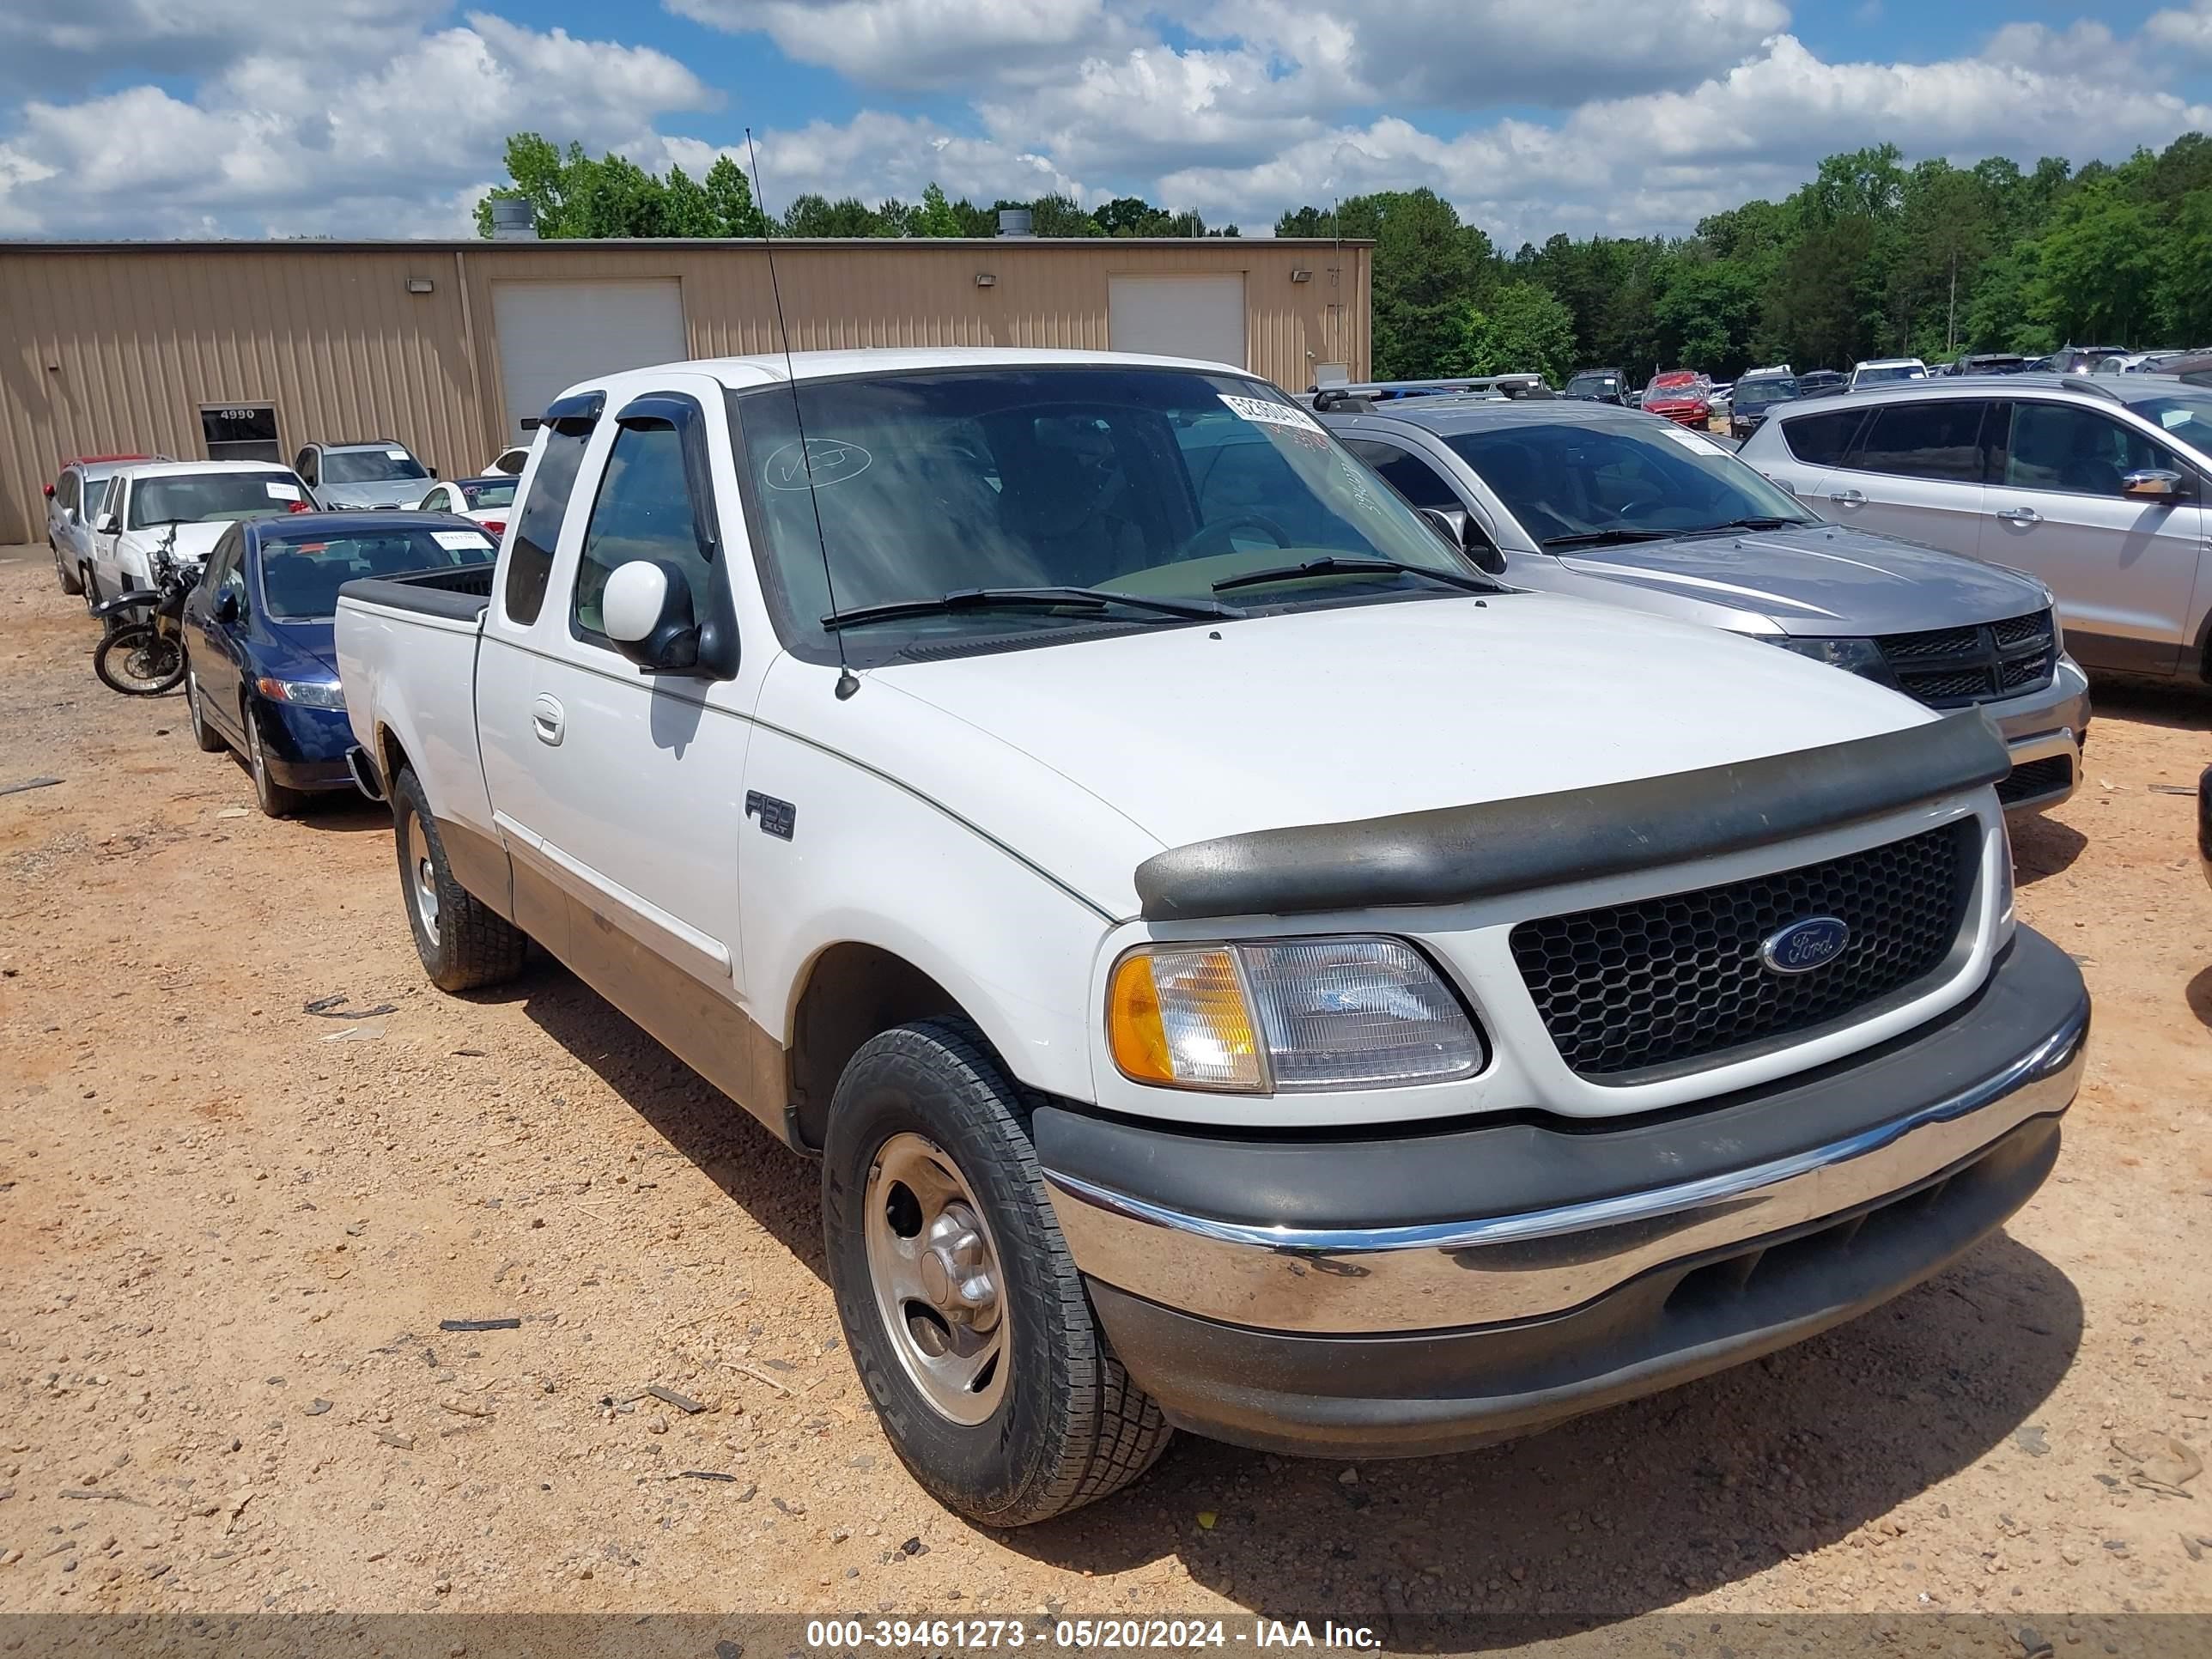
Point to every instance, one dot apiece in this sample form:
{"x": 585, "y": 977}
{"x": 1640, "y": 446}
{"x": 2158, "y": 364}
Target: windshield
{"x": 2185, "y": 414}
{"x": 301, "y": 575}
{"x": 498, "y": 493}
{"x": 212, "y": 497}
{"x": 1758, "y": 394}
{"x": 377, "y": 466}
{"x": 1563, "y": 479}
{"x": 1889, "y": 372}
{"x": 1674, "y": 385}
{"x": 1150, "y": 481}
{"x": 1593, "y": 386}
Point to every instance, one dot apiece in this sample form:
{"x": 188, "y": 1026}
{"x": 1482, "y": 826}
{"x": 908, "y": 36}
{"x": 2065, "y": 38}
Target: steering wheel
{"x": 1222, "y": 529}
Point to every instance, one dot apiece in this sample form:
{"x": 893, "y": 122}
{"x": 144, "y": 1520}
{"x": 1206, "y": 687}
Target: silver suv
{"x": 374, "y": 472}
{"x": 2095, "y": 486}
{"x": 1614, "y": 506}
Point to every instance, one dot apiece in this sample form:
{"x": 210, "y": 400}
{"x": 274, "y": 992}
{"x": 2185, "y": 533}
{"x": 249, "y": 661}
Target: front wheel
{"x": 274, "y": 799}
{"x": 463, "y": 942}
{"x": 965, "y": 1314}
{"x": 72, "y": 582}
{"x": 139, "y": 661}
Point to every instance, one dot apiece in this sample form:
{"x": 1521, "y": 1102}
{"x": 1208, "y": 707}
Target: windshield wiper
{"x": 1030, "y": 599}
{"x": 1333, "y": 566}
{"x": 1606, "y": 537}
{"x": 1767, "y": 523}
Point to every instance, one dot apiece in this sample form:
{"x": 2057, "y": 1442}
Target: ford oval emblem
{"x": 1804, "y": 946}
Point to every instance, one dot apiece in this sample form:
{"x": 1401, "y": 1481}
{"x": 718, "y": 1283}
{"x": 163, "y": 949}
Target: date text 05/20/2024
{"x": 1087, "y": 1634}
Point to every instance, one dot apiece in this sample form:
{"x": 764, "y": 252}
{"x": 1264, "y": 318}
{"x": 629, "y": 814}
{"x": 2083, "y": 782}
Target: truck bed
{"x": 407, "y": 657}
{"x": 460, "y": 592}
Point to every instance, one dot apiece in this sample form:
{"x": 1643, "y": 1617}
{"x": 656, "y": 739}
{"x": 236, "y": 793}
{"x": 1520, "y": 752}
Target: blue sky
{"x": 387, "y": 117}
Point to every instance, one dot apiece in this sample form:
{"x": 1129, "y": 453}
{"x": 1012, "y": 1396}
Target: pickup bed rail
{"x": 460, "y": 593}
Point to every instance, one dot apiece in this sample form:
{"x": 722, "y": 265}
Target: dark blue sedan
{"x": 261, "y": 673}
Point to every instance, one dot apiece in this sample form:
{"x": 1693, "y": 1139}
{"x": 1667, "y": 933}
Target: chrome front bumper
{"x": 1531, "y": 1263}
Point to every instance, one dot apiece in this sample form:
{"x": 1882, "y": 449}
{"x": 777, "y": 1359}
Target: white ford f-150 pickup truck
{"x": 1240, "y": 967}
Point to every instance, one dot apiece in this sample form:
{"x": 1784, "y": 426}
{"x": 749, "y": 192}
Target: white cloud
{"x": 378, "y": 153}
{"x": 1664, "y": 160}
{"x": 915, "y": 43}
{"x": 63, "y": 46}
{"x": 368, "y": 117}
{"x": 1453, "y": 54}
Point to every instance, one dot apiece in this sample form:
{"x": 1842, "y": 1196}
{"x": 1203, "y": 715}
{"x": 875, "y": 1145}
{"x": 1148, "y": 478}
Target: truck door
{"x": 624, "y": 787}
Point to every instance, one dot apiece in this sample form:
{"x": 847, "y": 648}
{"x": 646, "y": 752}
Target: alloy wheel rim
{"x": 934, "y": 1268}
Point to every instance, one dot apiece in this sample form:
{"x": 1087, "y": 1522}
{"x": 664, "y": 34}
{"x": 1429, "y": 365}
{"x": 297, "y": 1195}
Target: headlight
{"x": 1296, "y": 1014}
{"x": 1854, "y": 656}
{"x": 307, "y": 694}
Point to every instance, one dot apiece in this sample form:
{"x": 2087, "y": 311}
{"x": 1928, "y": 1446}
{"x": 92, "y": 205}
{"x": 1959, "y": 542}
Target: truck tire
{"x": 464, "y": 942}
{"x": 966, "y": 1317}
{"x": 72, "y": 582}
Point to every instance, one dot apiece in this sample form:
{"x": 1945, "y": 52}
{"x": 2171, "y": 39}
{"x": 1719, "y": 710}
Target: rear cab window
{"x": 537, "y": 533}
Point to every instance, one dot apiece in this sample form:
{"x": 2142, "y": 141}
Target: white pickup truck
{"x": 1240, "y": 967}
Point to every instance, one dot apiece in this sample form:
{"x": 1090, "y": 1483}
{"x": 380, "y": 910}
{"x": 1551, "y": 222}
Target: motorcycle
{"x": 143, "y": 655}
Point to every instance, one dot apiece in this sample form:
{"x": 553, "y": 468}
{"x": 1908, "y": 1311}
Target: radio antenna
{"x": 846, "y": 682}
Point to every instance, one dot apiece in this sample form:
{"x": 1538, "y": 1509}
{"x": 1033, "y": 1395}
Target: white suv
{"x": 2095, "y": 486}
{"x": 196, "y": 500}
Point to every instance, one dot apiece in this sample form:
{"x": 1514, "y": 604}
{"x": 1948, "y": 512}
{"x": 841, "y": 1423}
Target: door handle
{"x": 548, "y": 718}
{"x": 1848, "y": 497}
{"x": 2017, "y": 514}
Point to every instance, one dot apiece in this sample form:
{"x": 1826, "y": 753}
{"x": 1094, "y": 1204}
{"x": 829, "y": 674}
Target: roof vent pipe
{"x": 1014, "y": 222}
{"x": 512, "y": 219}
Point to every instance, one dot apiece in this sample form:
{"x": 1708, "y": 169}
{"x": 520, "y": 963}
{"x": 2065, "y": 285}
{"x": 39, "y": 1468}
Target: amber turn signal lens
{"x": 1179, "y": 1017}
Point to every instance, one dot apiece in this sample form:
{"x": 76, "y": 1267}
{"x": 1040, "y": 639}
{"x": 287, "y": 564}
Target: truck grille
{"x": 1661, "y": 984}
{"x": 1950, "y": 667}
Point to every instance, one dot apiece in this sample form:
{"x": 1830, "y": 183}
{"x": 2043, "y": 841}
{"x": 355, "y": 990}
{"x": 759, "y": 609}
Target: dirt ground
{"x": 229, "y": 1230}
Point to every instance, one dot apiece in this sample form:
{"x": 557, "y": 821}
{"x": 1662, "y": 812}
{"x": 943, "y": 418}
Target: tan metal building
{"x": 252, "y": 349}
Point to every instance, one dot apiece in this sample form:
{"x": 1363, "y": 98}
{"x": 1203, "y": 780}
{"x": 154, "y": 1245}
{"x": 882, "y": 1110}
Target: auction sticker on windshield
{"x": 1702, "y": 445}
{"x": 282, "y": 492}
{"x": 460, "y": 541}
{"x": 1269, "y": 412}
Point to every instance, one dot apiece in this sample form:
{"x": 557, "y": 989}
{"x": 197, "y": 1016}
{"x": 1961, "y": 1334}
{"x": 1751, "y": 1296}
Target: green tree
{"x": 1061, "y": 215}
{"x": 1707, "y": 315}
{"x": 1428, "y": 270}
{"x": 813, "y": 214}
{"x": 730, "y": 193}
{"x": 2098, "y": 267}
{"x": 935, "y": 216}
{"x": 1520, "y": 328}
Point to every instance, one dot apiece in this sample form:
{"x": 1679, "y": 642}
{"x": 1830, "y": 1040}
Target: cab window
{"x": 2060, "y": 446}
{"x": 644, "y": 511}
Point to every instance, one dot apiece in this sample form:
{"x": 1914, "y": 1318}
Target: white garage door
{"x": 552, "y": 335}
{"x": 1199, "y": 317}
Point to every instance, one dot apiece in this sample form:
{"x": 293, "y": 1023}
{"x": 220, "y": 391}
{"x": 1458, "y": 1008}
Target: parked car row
{"x": 262, "y": 559}
{"x": 1250, "y": 955}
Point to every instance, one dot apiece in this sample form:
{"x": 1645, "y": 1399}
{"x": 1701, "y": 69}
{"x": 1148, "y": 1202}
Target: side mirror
{"x": 109, "y": 525}
{"x": 432, "y": 471}
{"x": 1458, "y": 526}
{"x": 2154, "y": 483}
{"x": 226, "y": 607}
{"x": 647, "y": 611}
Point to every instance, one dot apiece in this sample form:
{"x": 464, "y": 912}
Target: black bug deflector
{"x": 1453, "y": 853}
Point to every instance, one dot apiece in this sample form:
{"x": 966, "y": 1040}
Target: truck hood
{"x": 1822, "y": 580}
{"x": 1317, "y": 717}
{"x": 397, "y": 492}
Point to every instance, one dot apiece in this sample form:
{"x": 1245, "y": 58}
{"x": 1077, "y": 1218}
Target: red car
{"x": 1681, "y": 395}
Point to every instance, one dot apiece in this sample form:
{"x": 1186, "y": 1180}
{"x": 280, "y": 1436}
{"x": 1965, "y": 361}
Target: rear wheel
{"x": 965, "y": 1312}
{"x": 463, "y": 942}
{"x": 209, "y": 739}
{"x": 72, "y": 582}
